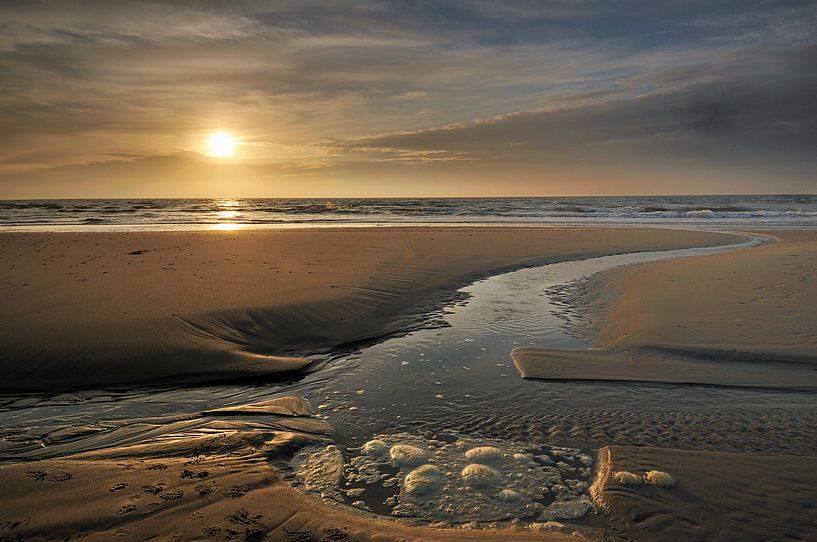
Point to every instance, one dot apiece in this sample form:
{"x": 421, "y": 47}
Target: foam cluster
{"x": 659, "y": 478}
{"x": 652, "y": 477}
{"x": 461, "y": 480}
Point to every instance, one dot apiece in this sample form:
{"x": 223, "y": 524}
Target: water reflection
{"x": 227, "y": 211}
{"x": 228, "y": 226}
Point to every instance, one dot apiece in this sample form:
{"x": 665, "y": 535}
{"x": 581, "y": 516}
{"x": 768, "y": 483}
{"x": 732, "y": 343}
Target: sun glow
{"x": 221, "y": 145}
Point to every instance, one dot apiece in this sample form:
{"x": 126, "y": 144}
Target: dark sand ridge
{"x": 744, "y": 318}
{"x": 206, "y": 477}
{"x": 97, "y": 309}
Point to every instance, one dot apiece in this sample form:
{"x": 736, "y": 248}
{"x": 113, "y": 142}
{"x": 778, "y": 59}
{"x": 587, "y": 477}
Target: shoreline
{"x": 685, "y": 211}
{"x": 713, "y": 226}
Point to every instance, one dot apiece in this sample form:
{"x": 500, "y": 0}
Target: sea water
{"x": 777, "y": 211}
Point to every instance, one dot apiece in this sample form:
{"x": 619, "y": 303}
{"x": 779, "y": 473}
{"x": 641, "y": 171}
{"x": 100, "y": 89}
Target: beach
{"x": 183, "y": 328}
{"x": 737, "y": 319}
{"x": 408, "y": 271}
{"x": 216, "y": 486}
{"x": 93, "y": 309}
{"x": 742, "y": 318}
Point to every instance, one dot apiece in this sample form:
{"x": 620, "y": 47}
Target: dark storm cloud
{"x": 374, "y": 86}
{"x": 773, "y": 112}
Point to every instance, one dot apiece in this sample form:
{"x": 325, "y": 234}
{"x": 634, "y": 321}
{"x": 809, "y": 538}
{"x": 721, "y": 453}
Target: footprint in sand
{"x": 244, "y": 517}
{"x": 206, "y": 490}
{"x": 236, "y": 491}
{"x": 38, "y": 475}
{"x": 58, "y": 477}
{"x": 154, "y": 490}
{"x": 333, "y": 533}
{"x": 127, "y": 509}
{"x": 190, "y": 474}
{"x": 117, "y": 487}
{"x": 171, "y": 495}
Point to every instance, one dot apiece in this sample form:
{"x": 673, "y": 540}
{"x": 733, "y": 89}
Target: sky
{"x": 440, "y": 98}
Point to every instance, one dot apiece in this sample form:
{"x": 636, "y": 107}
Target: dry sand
{"x": 98, "y": 309}
{"x": 756, "y": 303}
{"x": 744, "y": 318}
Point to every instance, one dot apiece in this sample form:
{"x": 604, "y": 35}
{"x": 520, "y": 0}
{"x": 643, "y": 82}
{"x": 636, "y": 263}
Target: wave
{"x": 781, "y": 210}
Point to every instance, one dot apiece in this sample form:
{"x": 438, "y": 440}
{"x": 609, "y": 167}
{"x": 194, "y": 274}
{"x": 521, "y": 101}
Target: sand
{"x": 717, "y": 496}
{"x": 739, "y": 319}
{"x": 84, "y": 310}
{"x": 756, "y": 303}
{"x": 101, "y": 309}
{"x": 213, "y": 484}
{"x": 671, "y": 367}
{"x": 744, "y": 318}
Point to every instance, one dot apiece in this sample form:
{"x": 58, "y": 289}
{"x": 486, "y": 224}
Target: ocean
{"x": 768, "y": 211}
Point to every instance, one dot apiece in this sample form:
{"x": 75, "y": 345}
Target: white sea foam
{"x": 484, "y": 454}
{"x": 375, "y": 447}
{"x": 424, "y": 479}
{"x": 627, "y": 478}
{"x": 405, "y": 455}
{"x": 481, "y": 476}
{"x": 457, "y": 479}
{"x": 659, "y": 478}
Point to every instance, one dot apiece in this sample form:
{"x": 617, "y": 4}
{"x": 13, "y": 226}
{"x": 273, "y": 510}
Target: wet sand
{"x": 666, "y": 367}
{"x": 739, "y": 319}
{"x": 216, "y": 483}
{"x": 100, "y": 309}
{"x": 717, "y": 496}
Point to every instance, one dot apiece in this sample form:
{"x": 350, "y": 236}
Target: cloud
{"x": 446, "y": 87}
{"x": 757, "y": 133}
{"x": 115, "y": 24}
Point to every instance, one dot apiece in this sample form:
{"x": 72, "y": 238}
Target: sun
{"x": 221, "y": 145}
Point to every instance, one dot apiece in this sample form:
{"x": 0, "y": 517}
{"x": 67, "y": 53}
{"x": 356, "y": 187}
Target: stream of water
{"x": 459, "y": 376}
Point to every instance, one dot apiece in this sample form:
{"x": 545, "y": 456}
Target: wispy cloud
{"x": 372, "y": 87}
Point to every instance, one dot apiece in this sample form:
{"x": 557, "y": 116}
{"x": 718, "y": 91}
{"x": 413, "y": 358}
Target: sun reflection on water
{"x": 224, "y": 215}
{"x": 228, "y": 226}
{"x": 227, "y": 214}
